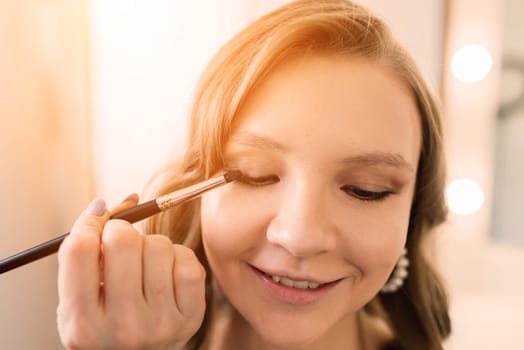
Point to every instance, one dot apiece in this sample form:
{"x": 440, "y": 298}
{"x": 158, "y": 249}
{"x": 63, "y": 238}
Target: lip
{"x": 293, "y": 277}
{"x": 290, "y": 295}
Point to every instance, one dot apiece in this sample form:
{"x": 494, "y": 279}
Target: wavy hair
{"x": 418, "y": 313}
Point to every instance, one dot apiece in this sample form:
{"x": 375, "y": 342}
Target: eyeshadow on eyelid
{"x": 381, "y": 179}
{"x": 250, "y": 158}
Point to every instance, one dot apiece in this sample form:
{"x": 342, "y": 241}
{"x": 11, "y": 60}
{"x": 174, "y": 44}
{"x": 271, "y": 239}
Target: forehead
{"x": 346, "y": 104}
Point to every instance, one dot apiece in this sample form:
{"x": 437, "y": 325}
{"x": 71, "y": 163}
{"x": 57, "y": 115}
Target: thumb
{"x": 79, "y": 257}
{"x": 92, "y": 220}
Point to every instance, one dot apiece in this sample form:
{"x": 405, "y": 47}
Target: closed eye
{"x": 365, "y": 195}
{"x": 258, "y": 181}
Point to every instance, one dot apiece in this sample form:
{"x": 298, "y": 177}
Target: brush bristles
{"x": 232, "y": 175}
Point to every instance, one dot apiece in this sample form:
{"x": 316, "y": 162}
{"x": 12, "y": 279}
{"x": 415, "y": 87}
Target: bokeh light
{"x": 464, "y": 196}
{"x": 471, "y": 63}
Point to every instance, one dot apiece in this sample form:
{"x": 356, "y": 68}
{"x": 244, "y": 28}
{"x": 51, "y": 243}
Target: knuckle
{"x": 77, "y": 333}
{"x": 77, "y": 247}
{"x": 187, "y": 267}
{"x": 119, "y": 233}
{"x": 88, "y": 224}
{"x": 192, "y": 273}
{"x": 157, "y": 244}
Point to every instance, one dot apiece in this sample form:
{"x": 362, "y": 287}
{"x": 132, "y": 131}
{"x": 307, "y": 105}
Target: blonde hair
{"x": 418, "y": 313}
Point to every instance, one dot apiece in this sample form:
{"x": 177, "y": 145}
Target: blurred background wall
{"x": 94, "y": 97}
{"x": 482, "y": 269}
{"x": 45, "y": 154}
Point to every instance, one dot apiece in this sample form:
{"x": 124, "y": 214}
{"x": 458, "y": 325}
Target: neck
{"x": 231, "y": 331}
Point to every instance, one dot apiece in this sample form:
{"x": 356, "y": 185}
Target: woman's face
{"x": 329, "y": 148}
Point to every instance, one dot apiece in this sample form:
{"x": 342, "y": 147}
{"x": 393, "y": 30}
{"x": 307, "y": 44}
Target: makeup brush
{"x": 131, "y": 215}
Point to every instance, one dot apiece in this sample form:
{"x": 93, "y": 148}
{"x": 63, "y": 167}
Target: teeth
{"x": 295, "y": 284}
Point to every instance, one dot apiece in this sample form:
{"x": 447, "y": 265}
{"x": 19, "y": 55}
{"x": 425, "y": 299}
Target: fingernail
{"x": 132, "y": 197}
{"x": 96, "y": 207}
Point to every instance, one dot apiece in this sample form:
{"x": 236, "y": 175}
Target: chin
{"x": 290, "y": 332}
{"x": 289, "y": 340}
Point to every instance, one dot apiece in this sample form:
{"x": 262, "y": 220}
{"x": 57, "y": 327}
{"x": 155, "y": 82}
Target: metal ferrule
{"x": 190, "y": 192}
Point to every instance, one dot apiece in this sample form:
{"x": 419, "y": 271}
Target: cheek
{"x": 374, "y": 239}
{"x": 230, "y": 224}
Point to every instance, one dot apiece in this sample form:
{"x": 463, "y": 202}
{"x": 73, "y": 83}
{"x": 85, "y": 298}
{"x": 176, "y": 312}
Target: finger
{"x": 189, "y": 282}
{"x": 122, "y": 258}
{"x": 78, "y": 258}
{"x": 129, "y": 202}
{"x": 158, "y": 257}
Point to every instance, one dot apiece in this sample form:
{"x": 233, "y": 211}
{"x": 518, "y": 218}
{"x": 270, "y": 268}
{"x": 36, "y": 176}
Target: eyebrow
{"x": 375, "y": 159}
{"x": 368, "y": 159}
{"x": 257, "y": 141}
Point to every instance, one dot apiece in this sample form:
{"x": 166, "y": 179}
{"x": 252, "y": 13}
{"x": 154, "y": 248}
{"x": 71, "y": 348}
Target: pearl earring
{"x": 399, "y": 274}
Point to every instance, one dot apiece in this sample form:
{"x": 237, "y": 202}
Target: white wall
{"x": 44, "y": 155}
{"x": 508, "y": 222}
{"x": 146, "y": 57}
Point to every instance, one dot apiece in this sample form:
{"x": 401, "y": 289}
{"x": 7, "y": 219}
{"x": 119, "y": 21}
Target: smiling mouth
{"x": 291, "y": 283}
{"x": 294, "y": 284}
{"x": 293, "y": 291}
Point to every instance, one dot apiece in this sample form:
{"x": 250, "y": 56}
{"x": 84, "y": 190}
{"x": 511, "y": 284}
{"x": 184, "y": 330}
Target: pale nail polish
{"x": 132, "y": 197}
{"x": 96, "y": 207}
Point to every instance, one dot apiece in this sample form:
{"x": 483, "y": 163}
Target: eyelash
{"x": 358, "y": 193}
{"x": 365, "y": 195}
{"x": 258, "y": 181}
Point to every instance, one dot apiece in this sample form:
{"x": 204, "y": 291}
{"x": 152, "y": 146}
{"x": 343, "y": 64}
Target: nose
{"x": 302, "y": 224}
